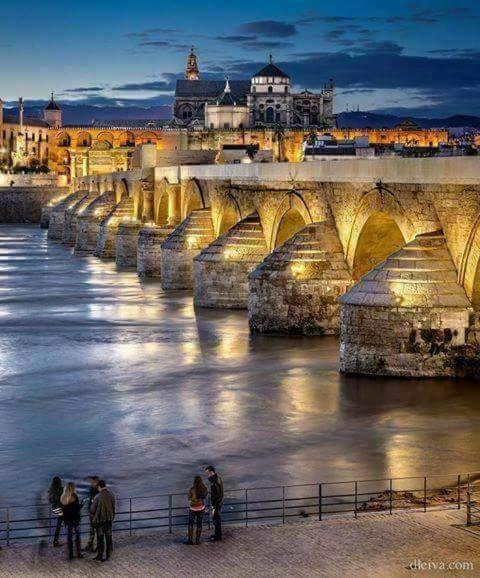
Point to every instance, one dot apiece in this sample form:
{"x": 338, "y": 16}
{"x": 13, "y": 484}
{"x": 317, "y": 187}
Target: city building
{"x": 265, "y": 100}
{"x": 24, "y": 141}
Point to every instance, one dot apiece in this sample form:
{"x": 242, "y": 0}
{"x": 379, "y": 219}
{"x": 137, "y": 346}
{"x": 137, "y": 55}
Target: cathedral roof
{"x": 210, "y": 88}
{"x": 271, "y": 70}
{"x": 227, "y": 98}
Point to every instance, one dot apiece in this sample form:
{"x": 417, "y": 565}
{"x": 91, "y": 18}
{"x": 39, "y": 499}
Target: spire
{"x": 227, "y": 86}
{"x": 270, "y": 59}
{"x": 191, "y": 71}
{"x": 52, "y": 105}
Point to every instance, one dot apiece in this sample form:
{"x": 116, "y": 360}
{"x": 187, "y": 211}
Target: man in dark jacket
{"x": 103, "y": 514}
{"x": 216, "y": 499}
{"x": 91, "y": 496}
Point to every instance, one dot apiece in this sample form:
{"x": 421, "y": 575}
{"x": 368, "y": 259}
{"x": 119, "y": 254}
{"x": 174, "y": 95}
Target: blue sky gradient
{"x": 402, "y": 57}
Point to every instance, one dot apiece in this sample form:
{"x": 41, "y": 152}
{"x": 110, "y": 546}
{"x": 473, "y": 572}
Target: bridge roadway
{"x": 373, "y": 545}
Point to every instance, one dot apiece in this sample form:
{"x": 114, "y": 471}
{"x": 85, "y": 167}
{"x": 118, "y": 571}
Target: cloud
{"x": 384, "y": 47}
{"x": 164, "y": 44}
{"x": 446, "y": 84}
{"x": 82, "y": 89}
{"x": 270, "y": 28}
{"x": 235, "y": 38}
{"x": 158, "y": 86}
{"x": 265, "y": 45}
{"x": 158, "y": 38}
{"x": 415, "y": 13}
{"x": 473, "y": 53}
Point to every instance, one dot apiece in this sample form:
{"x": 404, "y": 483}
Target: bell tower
{"x": 52, "y": 114}
{"x": 191, "y": 71}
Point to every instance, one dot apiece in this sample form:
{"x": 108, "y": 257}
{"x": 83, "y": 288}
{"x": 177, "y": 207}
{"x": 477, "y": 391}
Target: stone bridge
{"x": 383, "y": 252}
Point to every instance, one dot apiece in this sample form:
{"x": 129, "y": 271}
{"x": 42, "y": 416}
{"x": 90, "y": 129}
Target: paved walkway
{"x": 372, "y": 545}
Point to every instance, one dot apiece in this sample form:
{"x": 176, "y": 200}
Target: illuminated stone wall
{"x": 84, "y": 150}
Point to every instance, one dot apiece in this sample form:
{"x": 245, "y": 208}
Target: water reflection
{"x": 101, "y": 373}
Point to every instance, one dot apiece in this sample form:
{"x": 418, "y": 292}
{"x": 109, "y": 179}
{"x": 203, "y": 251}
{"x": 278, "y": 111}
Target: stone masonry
{"x": 295, "y": 289}
{"x": 149, "y": 250}
{"x": 57, "y": 215}
{"x": 179, "y": 249}
{"x": 126, "y": 241}
{"x": 71, "y": 218}
{"x": 25, "y": 204}
{"x": 408, "y": 316}
{"x": 222, "y": 269}
{"x": 88, "y": 223}
{"x": 105, "y": 248}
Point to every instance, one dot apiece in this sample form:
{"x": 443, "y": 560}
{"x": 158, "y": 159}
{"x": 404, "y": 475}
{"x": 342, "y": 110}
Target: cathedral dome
{"x": 271, "y": 70}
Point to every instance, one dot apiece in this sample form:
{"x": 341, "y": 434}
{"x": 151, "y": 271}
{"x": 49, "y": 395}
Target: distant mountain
{"x": 89, "y": 114}
{"x": 377, "y": 120}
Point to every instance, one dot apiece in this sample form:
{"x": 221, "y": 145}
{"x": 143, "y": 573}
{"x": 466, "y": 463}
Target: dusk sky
{"x": 422, "y": 56}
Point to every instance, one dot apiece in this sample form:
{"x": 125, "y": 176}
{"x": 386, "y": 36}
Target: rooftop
{"x": 211, "y": 88}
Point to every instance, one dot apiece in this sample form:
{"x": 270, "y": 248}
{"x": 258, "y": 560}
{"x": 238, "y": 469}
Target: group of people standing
{"x": 67, "y": 506}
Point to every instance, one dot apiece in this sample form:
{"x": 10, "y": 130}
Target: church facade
{"x": 266, "y": 100}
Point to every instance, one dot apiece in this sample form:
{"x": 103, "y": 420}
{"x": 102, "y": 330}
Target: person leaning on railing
{"x": 196, "y": 501}
{"x": 103, "y": 514}
{"x": 71, "y": 507}
{"x": 91, "y": 496}
{"x": 55, "y": 492}
{"x": 216, "y": 499}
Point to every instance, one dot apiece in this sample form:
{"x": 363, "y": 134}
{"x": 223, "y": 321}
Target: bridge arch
{"x": 380, "y": 227}
{"x": 161, "y": 203}
{"x": 229, "y": 215}
{"x": 193, "y": 198}
{"x": 469, "y": 271}
{"x": 292, "y": 214}
{"x": 121, "y": 190}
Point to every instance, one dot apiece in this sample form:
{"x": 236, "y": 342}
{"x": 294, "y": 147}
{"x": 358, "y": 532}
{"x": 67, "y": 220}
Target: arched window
{"x": 286, "y": 89}
{"x": 270, "y": 89}
{"x": 270, "y": 114}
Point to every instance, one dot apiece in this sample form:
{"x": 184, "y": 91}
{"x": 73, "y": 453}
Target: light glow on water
{"x": 101, "y": 373}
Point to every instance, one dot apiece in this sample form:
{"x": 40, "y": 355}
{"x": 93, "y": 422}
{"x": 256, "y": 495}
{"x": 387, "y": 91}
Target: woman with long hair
{"x": 71, "y": 507}
{"x": 196, "y": 500}
{"x": 55, "y": 492}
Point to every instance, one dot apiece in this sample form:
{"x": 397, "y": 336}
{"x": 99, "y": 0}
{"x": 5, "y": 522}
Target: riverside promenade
{"x": 372, "y": 545}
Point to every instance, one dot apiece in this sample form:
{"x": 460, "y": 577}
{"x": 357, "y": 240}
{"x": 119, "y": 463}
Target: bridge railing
{"x": 473, "y": 504}
{"x": 249, "y": 506}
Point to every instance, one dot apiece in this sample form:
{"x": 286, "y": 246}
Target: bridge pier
{"x": 221, "y": 270}
{"x": 69, "y": 236}
{"x": 126, "y": 241}
{"x": 88, "y": 223}
{"x": 179, "y": 249}
{"x": 149, "y": 250}
{"x": 408, "y": 316}
{"x": 45, "y": 216}
{"x": 105, "y": 248}
{"x": 57, "y": 214}
{"x": 295, "y": 289}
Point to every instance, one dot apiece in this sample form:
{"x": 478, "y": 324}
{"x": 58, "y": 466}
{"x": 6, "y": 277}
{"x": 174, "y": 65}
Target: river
{"x": 103, "y": 374}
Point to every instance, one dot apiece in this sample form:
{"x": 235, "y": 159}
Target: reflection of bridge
{"x": 287, "y": 240}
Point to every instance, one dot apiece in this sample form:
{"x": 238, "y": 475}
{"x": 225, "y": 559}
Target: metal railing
{"x": 248, "y": 506}
{"x": 473, "y": 504}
